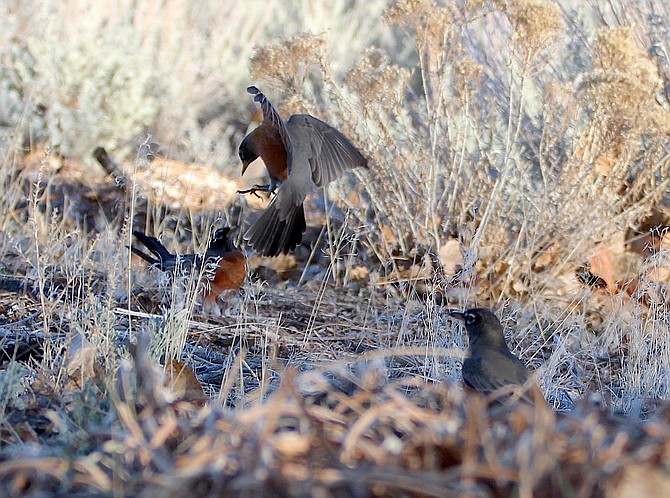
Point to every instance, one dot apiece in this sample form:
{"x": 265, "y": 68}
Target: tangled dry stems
{"x": 507, "y": 152}
{"x": 334, "y": 433}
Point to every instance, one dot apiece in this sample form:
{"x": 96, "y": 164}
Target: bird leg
{"x": 270, "y": 188}
{"x": 254, "y": 189}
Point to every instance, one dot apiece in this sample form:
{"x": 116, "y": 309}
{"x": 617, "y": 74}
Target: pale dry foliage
{"x": 518, "y": 160}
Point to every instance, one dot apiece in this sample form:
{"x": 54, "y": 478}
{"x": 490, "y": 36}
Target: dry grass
{"x": 519, "y": 160}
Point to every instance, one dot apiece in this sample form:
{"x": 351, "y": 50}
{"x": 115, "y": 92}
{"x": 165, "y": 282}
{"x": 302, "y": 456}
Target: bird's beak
{"x": 245, "y": 165}
{"x": 457, "y": 314}
{"x": 232, "y": 230}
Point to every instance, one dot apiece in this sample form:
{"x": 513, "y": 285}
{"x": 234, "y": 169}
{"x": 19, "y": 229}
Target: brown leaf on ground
{"x": 271, "y": 269}
{"x": 80, "y": 354}
{"x": 665, "y": 241}
{"x": 185, "y": 385}
{"x": 387, "y": 236}
{"x": 649, "y": 235}
{"x": 451, "y": 257}
{"x": 641, "y": 480}
{"x": 605, "y": 162}
{"x": 359, "y": 273}
{"x": 600, "y": 265}
{"x": 547, "y": 257}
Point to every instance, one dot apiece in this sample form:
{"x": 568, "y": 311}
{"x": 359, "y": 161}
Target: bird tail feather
{"x": 271, "y": 235}
{"x": 163, "y": 256}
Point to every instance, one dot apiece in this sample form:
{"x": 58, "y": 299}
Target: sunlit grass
{"x": 510, "y": 144}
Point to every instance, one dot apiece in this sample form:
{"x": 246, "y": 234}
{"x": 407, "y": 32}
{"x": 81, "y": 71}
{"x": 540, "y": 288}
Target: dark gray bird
{"x": 298, "y": 154}
{"x": 490, "y": 365}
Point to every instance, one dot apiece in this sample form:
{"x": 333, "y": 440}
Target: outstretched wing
{"x": 329, "y": 152}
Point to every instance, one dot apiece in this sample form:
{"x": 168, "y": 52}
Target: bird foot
{"x": 253, "y": 190}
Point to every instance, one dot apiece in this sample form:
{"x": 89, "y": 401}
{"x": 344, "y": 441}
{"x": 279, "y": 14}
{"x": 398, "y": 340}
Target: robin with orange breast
{"x": 298, "y": 154}
{"x": 223, "y": 264}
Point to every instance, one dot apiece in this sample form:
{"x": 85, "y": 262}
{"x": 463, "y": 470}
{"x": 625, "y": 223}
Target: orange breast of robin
{"x": 272, "y": 151}
{"x": 230, "y": 275}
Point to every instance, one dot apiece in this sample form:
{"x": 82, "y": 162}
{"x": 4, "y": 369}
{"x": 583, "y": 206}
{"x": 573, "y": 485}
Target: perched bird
{"x": 490, "y": 365}
{"x": 298, "y": 154}
{"x": 223, "y": 264}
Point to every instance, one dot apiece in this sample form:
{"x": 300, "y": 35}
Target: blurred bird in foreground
{"x": 224, "y": 266}
{"x": 491, "y": 366}
{"x": 298, "y": 154}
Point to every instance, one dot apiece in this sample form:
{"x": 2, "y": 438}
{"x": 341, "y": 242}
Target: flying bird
{"x": 298, "y": 154}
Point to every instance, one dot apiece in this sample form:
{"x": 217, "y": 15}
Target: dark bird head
{"x": 221, "y": 240}
{"x": 482, "y": 325}
{"x": 247, "y": 152}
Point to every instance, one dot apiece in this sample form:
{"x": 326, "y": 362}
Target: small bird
{"x": 298, "y": 154}
{"x": 228, "y": 268}
{"x": 490, "y": 365}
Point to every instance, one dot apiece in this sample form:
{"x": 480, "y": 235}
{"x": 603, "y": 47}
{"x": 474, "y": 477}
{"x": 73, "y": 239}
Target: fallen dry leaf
{"x": 185, "y": 385}
{"x": 601, "y": 266}
{"x": 451, "y": 257}
{"x": 291, "y": 445}
{"x": 546, "y": 257}
{"x": 358, "y": 273}
{"x": 80, "y": 356}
